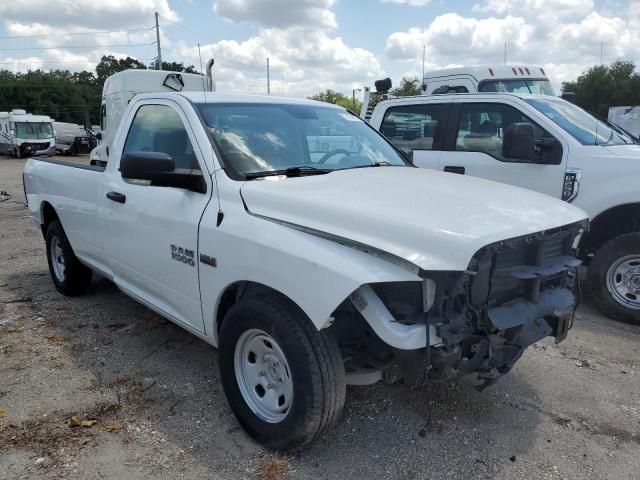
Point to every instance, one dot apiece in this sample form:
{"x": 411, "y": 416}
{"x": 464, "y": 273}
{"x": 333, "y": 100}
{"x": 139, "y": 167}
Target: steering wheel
{"x": 330, "y": 154}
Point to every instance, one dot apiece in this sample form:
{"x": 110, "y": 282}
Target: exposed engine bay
{"x": 513, "y": 294}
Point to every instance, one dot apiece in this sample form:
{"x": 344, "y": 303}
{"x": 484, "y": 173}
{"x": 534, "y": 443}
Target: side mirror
{"x": 145, "y": 165}
{"x": 518, "y": 143}
{"x": 407, "y": 152}
{"x": 160, "y": 169}
{"x": 98, "y": 135}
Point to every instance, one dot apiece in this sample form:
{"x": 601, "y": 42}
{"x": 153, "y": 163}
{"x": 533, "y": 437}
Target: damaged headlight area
{"x": 513, "y": 294}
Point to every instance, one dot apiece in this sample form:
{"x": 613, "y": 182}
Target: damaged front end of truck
{"x": 479, "y": 321}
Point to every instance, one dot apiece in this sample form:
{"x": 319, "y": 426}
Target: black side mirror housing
{"x": 160, "y": 169}
{"x": 87, "y": 122}
{"x": 98, "y": 135}
{"x": 518, "y": 143}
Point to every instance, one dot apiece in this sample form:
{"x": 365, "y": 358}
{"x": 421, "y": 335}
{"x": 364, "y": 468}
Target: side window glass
{"x": 415, "y": 126}
{"x": 158, "y": 128}
{"x": 481, "y": 127}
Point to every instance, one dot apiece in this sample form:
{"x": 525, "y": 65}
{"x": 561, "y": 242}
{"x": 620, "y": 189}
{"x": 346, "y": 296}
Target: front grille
{"x": 527, "y": 266}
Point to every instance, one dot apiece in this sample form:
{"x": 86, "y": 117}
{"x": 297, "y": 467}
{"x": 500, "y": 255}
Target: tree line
{"x": 66, "y": 96}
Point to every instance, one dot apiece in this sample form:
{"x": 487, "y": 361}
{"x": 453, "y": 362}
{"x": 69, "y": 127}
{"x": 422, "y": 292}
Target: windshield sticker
{"x": 351, "y": 118}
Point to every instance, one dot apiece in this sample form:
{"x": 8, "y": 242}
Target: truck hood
{"x": 431, "y": 219}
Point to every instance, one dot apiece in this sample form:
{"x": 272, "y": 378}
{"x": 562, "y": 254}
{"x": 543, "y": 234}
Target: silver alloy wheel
{"x": 57, "y": 259}
{"x": 623, "y": 281}
{"x": 263, "y": 375}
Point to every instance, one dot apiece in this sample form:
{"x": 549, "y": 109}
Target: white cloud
{"x": 90, "y": 14}
{"x": 563, "y": 36}
{"x": 307, "y": 61}
{"x": 412, "y": 3}
{"x": 278, "y": 13}
{"x": 460, "y": 38}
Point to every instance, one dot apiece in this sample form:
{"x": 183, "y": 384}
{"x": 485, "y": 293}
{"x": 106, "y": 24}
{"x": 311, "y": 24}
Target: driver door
{"x": 152, "y": 231}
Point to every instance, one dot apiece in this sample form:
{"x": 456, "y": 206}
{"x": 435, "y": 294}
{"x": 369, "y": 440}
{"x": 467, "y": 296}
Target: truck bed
{"x": 80, "y": 161}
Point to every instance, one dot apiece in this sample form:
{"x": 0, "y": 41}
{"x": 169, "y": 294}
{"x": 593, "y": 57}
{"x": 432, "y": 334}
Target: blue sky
{"x": 318, "y": 44}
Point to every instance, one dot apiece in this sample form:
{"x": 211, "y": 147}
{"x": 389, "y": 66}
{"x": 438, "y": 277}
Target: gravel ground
{"x": 568, "y": 412}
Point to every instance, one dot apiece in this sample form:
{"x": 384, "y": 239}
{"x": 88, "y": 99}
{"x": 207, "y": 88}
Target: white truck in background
{"x": 120, "y": 88}
{"x": 541, "y": 143}
{"x": 23, "y": 134}
{"x": 494, "y": 79}
{"x": 295, "y": 238}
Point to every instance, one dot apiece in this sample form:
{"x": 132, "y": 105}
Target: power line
{"x": 76, "y": 33}
{"x": 28, "y": 62}
{"x": 64, "y": 47}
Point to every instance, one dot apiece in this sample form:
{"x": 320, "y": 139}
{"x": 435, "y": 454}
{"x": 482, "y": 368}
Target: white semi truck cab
{"x": 23, "y": 134}
{"x": 501, "y": 79}
{"x": 546, "y": 144}
{"x": 119, "y": 89}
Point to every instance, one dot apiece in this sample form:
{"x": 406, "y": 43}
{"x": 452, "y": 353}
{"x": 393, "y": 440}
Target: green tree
{"x": 176, "y": 67}
{"x": 604, "y": 86}
{"x": 338, "y": 98}
{"x": 408, "y": 86}
{"x": 109, "y": 65}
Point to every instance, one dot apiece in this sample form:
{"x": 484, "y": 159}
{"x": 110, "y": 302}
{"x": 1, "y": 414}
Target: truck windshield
{"x": 263, "y": 137}
{"x": 34, "y": 130}
{"x": 536, "y": 87}
{"x": 582, "y": 126}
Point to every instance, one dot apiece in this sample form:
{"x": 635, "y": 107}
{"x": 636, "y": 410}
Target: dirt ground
{"x": 565, "y": 412}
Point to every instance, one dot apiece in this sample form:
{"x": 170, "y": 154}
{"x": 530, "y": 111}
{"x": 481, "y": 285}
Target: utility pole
{"x": 268, "y": 79}
{"x": 505, "y": 53}
{"x": 159, "y": 64}
{"x": 601, "y": 47}
{"x": 354, "y": 97}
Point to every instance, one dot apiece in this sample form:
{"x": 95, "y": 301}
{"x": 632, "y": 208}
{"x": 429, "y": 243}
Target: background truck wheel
{"x": 283, "y": 379}
{"x": 614, "y": 278}
{"x": 69, "y": 276}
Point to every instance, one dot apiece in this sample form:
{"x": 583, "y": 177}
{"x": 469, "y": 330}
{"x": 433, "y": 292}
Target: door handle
{"x": 454, "y": 169}
{"x": 117, "y": 197}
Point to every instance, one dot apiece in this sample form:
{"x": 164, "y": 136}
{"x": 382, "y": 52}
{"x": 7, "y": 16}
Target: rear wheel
{"x": 283, "y": 379}
{"x": 614, "y": 278}
{"x": 70, "y": 277}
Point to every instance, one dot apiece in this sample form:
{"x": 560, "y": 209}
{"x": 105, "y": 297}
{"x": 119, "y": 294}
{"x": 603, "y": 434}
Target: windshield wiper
{"x": 289, "y": 172}
{"x": 374, "y": 164}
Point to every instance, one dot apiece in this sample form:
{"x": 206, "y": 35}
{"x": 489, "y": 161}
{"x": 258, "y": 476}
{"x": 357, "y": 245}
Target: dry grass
{"x": 273, "y": 468}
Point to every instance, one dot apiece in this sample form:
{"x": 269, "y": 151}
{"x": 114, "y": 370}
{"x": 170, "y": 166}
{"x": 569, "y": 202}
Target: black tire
{"x": 315, "y": 364}
{"x": 76, "y": 279}
{"x": 606, "y": 256}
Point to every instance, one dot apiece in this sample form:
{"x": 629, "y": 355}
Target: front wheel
{"x": 283, "y": 379}
{"x": 614, "y": 278}
{"x": 69, "y": 276}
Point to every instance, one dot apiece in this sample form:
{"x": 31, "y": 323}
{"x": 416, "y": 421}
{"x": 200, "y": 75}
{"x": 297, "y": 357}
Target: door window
{"x": 158, "y": 128}
{"x": 418, "y": 127}
{"x": 481, "y": 128}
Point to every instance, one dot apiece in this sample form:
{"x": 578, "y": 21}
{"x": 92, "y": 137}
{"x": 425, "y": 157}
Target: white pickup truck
{"x": 296, "y": 239}
{"x": 545, "y": 144}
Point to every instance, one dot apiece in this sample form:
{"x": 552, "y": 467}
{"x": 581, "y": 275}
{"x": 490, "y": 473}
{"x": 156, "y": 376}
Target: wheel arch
{"x": 48, "y": 214}
{"x": 609, "y": 224}
{"x": 238, "y": 290}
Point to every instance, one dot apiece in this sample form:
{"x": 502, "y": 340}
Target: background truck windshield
{"x": 581, "y": 125}
{"x": 34, "y": 130}
{"x": 536, "y": 87}
{"x": 262, "y": 137}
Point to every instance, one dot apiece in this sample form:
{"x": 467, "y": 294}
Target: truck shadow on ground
{"x": 167, "y": 381}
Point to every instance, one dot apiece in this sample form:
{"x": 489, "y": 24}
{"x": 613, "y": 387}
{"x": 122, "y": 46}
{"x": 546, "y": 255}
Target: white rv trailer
{"x": 23, "y": 134}
{"x": 120, "y": 88}
{"x": 502, "y": 79}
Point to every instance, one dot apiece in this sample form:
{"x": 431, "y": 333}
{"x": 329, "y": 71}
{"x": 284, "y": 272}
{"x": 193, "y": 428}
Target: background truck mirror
{"x": 407, "y": 152}
{"x": 519, "y": 142}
